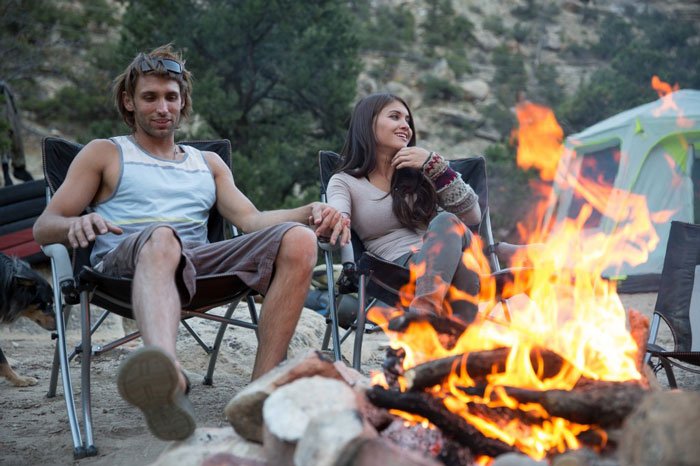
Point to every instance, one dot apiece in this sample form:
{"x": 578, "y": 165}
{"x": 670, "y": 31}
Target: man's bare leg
{"x": 285, "y": 298}
{"x": 156, "y": 301}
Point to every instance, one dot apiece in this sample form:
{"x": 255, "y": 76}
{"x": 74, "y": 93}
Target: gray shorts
{"x": 250, "y": 257}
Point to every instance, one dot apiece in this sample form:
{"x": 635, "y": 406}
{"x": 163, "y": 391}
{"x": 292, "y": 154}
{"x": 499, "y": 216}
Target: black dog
{"x": 23, "y": 293}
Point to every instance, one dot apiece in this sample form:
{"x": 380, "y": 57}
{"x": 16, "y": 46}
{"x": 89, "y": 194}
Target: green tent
{"x": 652, "y": 150}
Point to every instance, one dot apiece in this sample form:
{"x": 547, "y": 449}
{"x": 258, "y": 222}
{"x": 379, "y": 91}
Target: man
{"x": 150, "y": 200}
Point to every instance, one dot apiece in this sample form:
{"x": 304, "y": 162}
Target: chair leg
{"x": 209, "y": 377}
{"x": 253, "y": 314}
{"x": 360, "y": 330}
{"x": 332, "y": 309}
{"x": 78, "y": 448}
{"x": 327, "y": 335}
{"x": 85, "y": 365}
{"x": 666, "y": 364}
{"x": 56, "y": 366}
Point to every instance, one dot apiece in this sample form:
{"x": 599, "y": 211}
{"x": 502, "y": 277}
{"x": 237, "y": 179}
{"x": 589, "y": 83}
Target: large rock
{"x": 381, "y": 452}
{"x": 475, "y": 89}
{"x": 244, "y": 411}
{"x": 216, "y": 445}
{"x": 459, "y": 118}
{"x": 288, "y": 411}
{"x": 326, "y": 437}
{"x": 662, "y": 431}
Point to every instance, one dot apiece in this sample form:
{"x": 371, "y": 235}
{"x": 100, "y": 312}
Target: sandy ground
{"x": 35, "y": 428}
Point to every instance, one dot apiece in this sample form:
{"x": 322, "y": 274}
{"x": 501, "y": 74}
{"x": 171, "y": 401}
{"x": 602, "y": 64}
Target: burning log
{"x": 605, "y": 404}
{"x": 448, "y": 329}
{"x": 478, "y": 366}
{"x": 431, "y": 408}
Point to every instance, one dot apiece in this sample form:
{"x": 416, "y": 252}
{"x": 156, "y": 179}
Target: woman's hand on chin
{"x": 410, "y": 157}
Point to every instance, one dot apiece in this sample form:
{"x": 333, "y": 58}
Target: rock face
{"x": 662, "y": 431}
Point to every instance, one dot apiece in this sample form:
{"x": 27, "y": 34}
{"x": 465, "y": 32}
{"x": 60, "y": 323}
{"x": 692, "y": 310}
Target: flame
{"x": 665, "y": 91}
{"x": 539, "y": 139}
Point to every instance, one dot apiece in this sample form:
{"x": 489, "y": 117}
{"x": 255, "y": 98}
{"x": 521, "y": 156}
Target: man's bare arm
{"x": 61, "y": 221}
{"x": 239, "y": 210}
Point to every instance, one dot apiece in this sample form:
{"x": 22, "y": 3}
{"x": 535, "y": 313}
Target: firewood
{"x": 605, "y": 404}
{"x": 432, "y": 408}
{"x": 479, "y": 365}
{"x": 442, "y": 324}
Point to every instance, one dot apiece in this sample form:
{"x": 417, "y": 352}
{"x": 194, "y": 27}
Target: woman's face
{"x": 392, "y": 130}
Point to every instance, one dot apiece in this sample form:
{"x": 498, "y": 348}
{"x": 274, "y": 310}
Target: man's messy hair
{"x": 152, "y": 64}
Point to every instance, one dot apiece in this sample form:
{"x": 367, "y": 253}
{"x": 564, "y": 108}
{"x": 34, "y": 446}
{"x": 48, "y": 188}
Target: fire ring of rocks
{"x": 312, "y": 411}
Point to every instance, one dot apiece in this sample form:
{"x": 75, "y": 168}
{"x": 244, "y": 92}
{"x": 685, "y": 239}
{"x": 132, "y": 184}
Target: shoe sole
{"x": 149, "y": 380}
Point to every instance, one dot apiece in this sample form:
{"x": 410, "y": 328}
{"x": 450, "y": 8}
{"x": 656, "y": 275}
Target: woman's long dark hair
{"x": 414, "y": 200}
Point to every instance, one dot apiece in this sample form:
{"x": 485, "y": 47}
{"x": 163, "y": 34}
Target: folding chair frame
{"x": 677, "y": 304}
{"x": 75, "y": 283}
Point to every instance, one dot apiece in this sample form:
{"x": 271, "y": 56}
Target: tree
{"x": 40, "y": 38}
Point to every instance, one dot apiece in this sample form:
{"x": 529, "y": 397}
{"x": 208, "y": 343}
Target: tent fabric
{"x": 655, "y": 146}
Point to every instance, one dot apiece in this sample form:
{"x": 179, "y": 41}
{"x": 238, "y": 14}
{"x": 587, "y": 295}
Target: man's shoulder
{"x": 100, "y": 145}
{"x": 99, "y": 151}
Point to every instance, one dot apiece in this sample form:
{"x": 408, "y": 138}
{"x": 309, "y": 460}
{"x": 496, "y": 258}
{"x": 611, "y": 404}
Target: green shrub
{"x": 494, "y": 23}
{"x": 390, "y": 29}
{"x": 436, "y": 89}
{"x": 458, "y": 63}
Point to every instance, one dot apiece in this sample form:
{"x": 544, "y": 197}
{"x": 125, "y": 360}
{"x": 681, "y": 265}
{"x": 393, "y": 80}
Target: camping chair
{"x": 74, "y": 281}
{"x": 678, "y": 304}
{"x": 381, "y": 280}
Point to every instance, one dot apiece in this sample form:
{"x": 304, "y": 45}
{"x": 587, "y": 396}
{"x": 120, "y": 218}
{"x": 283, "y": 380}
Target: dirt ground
{"x": 35, "y": 428}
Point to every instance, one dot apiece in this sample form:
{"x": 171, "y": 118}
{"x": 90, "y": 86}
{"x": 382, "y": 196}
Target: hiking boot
{"x": 149, "y": 380}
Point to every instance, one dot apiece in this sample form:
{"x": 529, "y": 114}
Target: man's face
{"x": 156, "y": 105}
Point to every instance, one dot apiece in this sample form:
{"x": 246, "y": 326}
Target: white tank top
{"x": 151, "y": 190}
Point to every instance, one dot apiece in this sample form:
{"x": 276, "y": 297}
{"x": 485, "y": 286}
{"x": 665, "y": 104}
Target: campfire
{"x": 558, "y": 368}
{"x": 552, "y": 373}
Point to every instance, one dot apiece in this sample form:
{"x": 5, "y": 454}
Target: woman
{"x": 406, "y": 204}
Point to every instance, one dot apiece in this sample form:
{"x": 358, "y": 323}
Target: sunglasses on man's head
{"x": 167, "y": 64}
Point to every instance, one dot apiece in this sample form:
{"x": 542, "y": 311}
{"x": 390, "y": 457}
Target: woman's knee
{"x": 446, "y": 223}
{"x": 162, "y": 246}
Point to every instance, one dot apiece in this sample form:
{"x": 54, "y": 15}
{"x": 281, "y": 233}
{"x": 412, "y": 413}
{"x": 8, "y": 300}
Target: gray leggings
{"x": 443, "y": 244}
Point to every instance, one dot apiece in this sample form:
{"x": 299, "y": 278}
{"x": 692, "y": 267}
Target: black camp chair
{"x": 381, "y": 280}
{"x": 74, "y": 281}
{"x": 678, "y": 304}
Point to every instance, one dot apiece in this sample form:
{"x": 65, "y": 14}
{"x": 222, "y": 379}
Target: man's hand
{"x": 329, "y": 223}
{"x": 85, "y": 228}
{"x": 410, "y": 157}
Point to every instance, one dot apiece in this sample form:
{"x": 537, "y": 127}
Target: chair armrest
{"x": 60, "y": 259}
{"x": 324, "y": 243}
